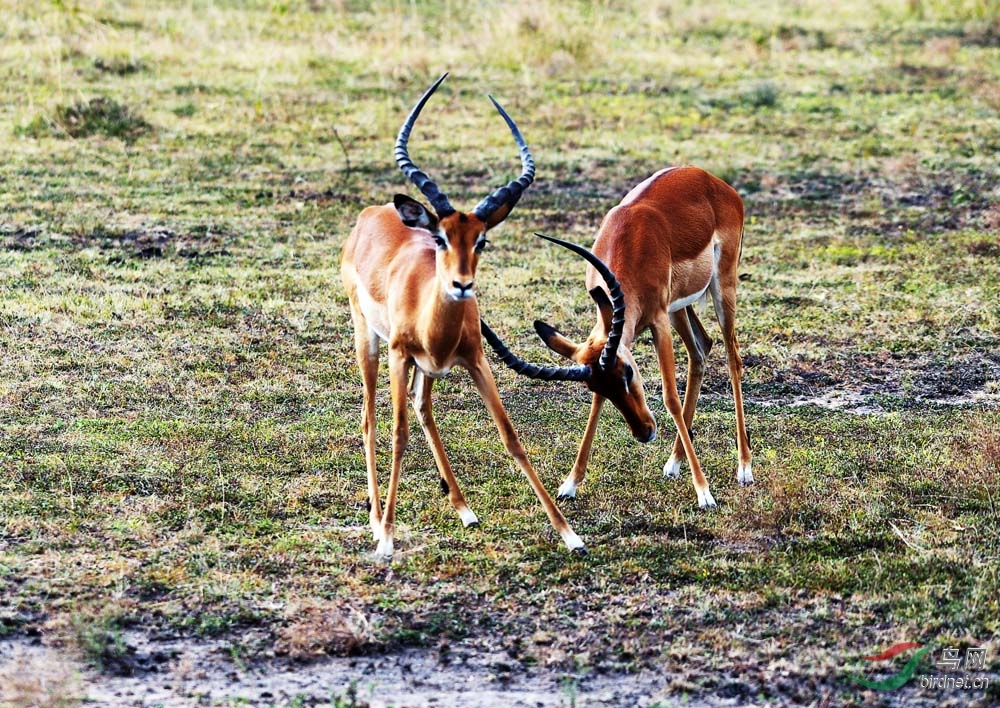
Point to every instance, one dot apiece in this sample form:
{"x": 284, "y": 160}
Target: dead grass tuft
{"x": 322, "y": 628}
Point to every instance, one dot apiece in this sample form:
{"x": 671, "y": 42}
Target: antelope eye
{"x": 481, "y": 244}
{"x": 440, "y": 242}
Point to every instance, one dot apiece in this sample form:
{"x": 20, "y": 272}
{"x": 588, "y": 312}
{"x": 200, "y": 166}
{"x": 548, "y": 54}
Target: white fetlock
{"x": 468, "y": 517}
{"x": 672, "y": 469}
{"x": 384, "y": 550}
{"x": 705, "y": 499}
{"x": 744, "y": 475}
{"x": 573, "y": 542}
{"x": 567, "y": 490}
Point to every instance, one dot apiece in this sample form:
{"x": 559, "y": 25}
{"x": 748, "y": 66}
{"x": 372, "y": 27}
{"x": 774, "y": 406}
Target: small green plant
{"x": 760, "y": 95}
{"x": 100, "y": 640}
{"x": 349, "y": 699}
{"x": 571, "y": 689}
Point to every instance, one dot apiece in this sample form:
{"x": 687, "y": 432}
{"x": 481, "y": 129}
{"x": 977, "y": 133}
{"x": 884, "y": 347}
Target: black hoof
{"x": 581, "y": 551}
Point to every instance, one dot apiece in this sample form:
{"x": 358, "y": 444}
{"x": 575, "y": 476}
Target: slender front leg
{"x": 366, "y": 348}
{"x": 483, "y": 378}
{"x": 420, "y": 392}
{"x": 665, "y": 355}
{"x": 698, "y": 344}
{"x": 567, "y": 490}
{"x": 399, "y": 371}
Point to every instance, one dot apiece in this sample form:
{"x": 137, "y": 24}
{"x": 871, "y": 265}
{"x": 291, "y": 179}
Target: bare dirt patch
{"x": 865, "y": 382}
{"x": 184, "y": 673}
{"x": 178, "y": 672}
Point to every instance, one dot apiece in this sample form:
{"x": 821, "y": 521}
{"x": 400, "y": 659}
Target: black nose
{"x": 648, "y": 436}
{"x": 464, "y": 287}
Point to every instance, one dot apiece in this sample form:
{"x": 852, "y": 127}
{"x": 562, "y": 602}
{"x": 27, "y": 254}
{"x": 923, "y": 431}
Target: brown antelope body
{"x": 673, "y": 240}
{"x": 409, "y": 272}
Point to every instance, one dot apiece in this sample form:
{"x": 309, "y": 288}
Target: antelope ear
{"x": 555, "y": 341}
{"x": 414, "y": 214}
{"x": 603, "y": 305}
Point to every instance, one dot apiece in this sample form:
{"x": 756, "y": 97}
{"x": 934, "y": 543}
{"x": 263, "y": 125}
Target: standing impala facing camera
{"x": 673, "y": 239}
{"x": 410, "y": 274}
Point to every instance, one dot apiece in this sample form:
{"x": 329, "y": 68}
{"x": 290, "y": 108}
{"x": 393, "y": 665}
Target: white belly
{"x": 683, "y": 302}
{"x": 689, "y": 276}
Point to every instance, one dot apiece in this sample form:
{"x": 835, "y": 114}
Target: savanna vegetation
{"x": 180, "y": 452}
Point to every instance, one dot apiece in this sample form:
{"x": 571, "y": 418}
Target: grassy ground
{"x": 179, "y": 408}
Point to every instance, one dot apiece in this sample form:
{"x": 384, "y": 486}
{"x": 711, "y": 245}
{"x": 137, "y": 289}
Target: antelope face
{"x": 619, "y": 381}
{"x": 459, "y": 239}
{"x": 459, "y": 242}
{"x": 621, "y": 384}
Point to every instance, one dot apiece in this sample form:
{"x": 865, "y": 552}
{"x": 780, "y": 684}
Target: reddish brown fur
{"x": 401, "y": 289}
{"x": 660, "y": 242}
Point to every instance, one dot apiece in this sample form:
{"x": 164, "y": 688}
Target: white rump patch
{"x": 371, "y": 312}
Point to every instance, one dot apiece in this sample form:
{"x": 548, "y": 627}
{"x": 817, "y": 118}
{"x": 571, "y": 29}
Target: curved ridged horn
{"x": 424, "y": 183}
{"x": 546, "y": 373}
{"x": 512, "y": 192}
{"x": 617, "y": 298}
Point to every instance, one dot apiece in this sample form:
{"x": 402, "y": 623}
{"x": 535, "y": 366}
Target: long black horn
{"x": 617, "y": 298}
{"x": 425, "y": 184}
{"x": 546, "y": 373}
{"x": 512, "y": 192}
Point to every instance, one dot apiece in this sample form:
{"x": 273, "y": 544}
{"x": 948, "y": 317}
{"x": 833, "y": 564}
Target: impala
{"x": 410, "y": 273}
{"x": 675, "y": 239}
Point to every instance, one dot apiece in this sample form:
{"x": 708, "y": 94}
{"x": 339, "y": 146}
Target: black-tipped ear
{"x": 545, "y": 330}
{"x": 414, "y": 214}
{"x": 604, "y": 305}
{"x": 555, "y": 341}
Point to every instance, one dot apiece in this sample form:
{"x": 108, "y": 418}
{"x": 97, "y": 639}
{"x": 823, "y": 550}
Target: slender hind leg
{"x": 420, "y": 393}
{"x": 698, "y": 344}
{"x": 724, "y": 299}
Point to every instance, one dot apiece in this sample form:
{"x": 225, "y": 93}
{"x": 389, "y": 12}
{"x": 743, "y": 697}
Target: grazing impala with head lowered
{"x": 409, "y": 272}
{"x": 674, "y": 239}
